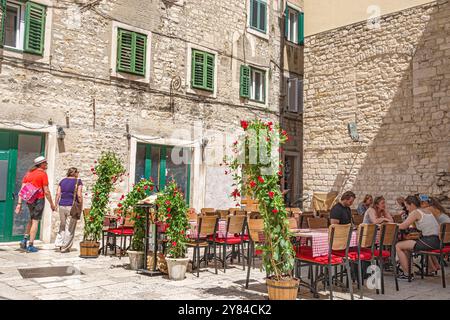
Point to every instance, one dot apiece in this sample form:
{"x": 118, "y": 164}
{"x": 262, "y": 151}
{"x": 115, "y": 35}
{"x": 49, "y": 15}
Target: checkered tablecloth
{"x": 320, "y": 242}
{"x": 221, "y": 232}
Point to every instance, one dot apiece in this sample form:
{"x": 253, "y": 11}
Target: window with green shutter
{"x": 202, "y": 74}
{"x": 294, "y": 26}
{"x": 131, "y": 52}
{"x": 2, "y": 20}
{"x": 34, "y": 28}
{"x": 245, "y": 81}
{"x": 258, "y": 15}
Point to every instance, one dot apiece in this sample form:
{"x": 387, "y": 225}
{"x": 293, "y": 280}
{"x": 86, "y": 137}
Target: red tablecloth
{"x": 320, "y": 242}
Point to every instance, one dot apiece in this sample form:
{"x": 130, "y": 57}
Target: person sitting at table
{"x": 438, "y": 211}
{"x": 378, "y": 213}
{"x": 427, "y": 224}
{"x": 365, "y": 205}
{"x": 341, "y": 212}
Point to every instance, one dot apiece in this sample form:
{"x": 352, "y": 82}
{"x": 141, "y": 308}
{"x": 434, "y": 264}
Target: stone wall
{"x": 394, "y": 82}
{"x": 77, "y": 80}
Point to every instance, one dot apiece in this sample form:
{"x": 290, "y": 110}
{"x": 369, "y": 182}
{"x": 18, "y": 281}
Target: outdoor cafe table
{"x": 319, "y": 240}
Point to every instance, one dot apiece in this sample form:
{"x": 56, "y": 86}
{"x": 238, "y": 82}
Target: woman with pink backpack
{"x": 34, "y": 190}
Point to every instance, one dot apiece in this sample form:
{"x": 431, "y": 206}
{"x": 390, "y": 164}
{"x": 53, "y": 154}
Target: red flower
{"x": 145, "y": 187}
{"x": 122, "y": 197}
{"x": 280, "y": 173}
{"x": 271, "y": 194}
{"x": 119, "y": 205}
{"x": 226, "y": 172}
{"x": 284, "y": 133}
{"x": 261, "y": 179}
{"x": 174, "y": 244}
{"x": 167, "y": 202}
{"x": 244, "y": 124}
{"x": 169, "y": 215}
{"x": 269, "y": 124}
{"x": 151, "y": 188}
{"x": 138, "y": 217}
{"x": 182, "y": 231}
{"x": 95, "y": 161}
{"x": 238, "y": 205}
{"x": 235, "y": 143}
{"x": 236, "y": 193}
{"x": 252, "y": 184}
{"x": 275, "y": 211}
{"x": 169, "y": 209}
{"x": 91, "y": 218}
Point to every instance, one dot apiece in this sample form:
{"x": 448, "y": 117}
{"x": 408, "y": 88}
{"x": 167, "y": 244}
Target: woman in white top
{"x": 377, "y": 213}
{"x": 429, "y": 227}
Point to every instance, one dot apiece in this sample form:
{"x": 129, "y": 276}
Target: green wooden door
{"x": 17, "y": 152}
{"x": 164, "y": 163}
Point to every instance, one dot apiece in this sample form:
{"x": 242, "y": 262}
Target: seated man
{"x": 341, "y": 212}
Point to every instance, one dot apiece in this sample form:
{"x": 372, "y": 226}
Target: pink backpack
{"x": 29, "y": 193}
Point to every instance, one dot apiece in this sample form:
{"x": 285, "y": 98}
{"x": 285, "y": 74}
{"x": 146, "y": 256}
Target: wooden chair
{"x": 293, "y": 223}
{"x": 206, "y": 227}
{"x": 255, "y": 215}
{"x": 324, "y": 214}
{"x": 122, "y": 231}
{"x": 304, "y": 219}
{"x": 444, "y": 250}
{"x": 236, "y": 227}
{"x": 397, "y": 218}
{"x": 210, "y": 214}
{"x": 255, "y": 229}
{"x": 192, "y": 215}
{"x": 357, "y": 219}
{"x": 317, "y": 223}
{"x": 240, "y": 213}
{"x": 204, "y": 211}
{"x": 222, "y": 214}
{"x": 339, "y": 241}
{"x": 386, "y": 250}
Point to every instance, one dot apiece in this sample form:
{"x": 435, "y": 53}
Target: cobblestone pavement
{"x": 109, "y": 278}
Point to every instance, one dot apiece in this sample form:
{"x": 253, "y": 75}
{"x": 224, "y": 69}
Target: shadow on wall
{"x": 402, "y": 98}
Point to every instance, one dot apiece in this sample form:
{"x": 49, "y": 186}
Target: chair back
{"x": 296, "y": 210}
{"x": 389, "y": 233}
{"x": 324, "y": 214}
{"x": 222, "y": 214}
{"x": 445, "y": 233}
{"x": 293, "y": 224}
{"x": 397, "y": 218}
{"x": 192, "y": 215}
{"x": 304, "y": 218}
{"x": 255, "y": 229}
{"x": 236, "y": 224}
{"x": 207, "y": 225}
{"x": 211, "y": 214}
{"x": 205, "y": 210}
{"x": 255, "y": 215}
{"x": 357, "y": 219}
{"x": 128, "y": 222}
{"x": 240, "y": 213}
{"x": 339, "y": 237}
{"x": 367, "y": 234}
{"x": 317, "y": 223}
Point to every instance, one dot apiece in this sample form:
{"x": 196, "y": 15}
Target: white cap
{"x": 39, "y": 160}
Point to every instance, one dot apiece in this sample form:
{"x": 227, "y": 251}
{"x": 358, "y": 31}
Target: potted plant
{"x": 108, "y": 170}
{"x": 172, "y": 208}
{"x": 256, "y": 171}
{"x": 127, "y": 206}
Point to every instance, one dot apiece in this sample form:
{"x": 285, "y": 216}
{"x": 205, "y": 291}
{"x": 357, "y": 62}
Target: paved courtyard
{"x": 109, "y": 278}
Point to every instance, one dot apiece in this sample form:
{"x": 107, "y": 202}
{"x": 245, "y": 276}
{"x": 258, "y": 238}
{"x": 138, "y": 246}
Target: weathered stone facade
{"x": 75, "y": 86}
{"x": 394, "y": 82}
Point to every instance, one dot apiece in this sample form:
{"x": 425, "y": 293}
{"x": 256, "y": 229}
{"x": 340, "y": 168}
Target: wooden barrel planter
{"x": 282, "y": 289}
{"x": 89, "y": 249}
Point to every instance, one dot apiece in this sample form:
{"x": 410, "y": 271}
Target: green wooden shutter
{"x": 198, "y": 63}
{"x": 301, "y": 28}
{"x": 2, "y": 20}
{"x": 286, "y": 22}
{"x": 140, "y": 53}
{"x": 245, "y": 81}
{"x": 125, "y": 51}
{"x": 209, "y": 77}
{"x": 34, "y": 28}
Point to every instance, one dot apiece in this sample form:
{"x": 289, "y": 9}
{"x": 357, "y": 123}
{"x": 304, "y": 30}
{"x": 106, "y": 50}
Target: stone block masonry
{"x": 394, "y": 82}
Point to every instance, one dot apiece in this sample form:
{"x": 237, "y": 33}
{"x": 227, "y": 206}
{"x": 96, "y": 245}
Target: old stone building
{"x": 382, "y": 74}
{"x": 140, "y": 78}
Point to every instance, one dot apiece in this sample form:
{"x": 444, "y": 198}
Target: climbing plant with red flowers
{"x": 173, "y": 210}
{"x": 127, "y": 207}
{"x": 256, "y": 170}
{"x": 108, "y": 170}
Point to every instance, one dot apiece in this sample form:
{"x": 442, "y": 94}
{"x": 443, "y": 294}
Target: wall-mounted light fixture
{"x": 61, "y": 133}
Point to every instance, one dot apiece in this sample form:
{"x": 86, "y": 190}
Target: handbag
{"x": 75, "y": 211}
{"x": 29, "y": 193}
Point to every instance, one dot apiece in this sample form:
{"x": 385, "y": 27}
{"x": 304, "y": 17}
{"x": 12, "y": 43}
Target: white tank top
{"x": 427, "y": 224}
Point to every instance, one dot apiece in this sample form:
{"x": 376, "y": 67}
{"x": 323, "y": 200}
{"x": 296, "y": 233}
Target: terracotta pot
{"x": 282, "y": 289}
{"x": 177, "y": 268}
{"x": 136, "y": 259}
{"x": 89, "y": 249}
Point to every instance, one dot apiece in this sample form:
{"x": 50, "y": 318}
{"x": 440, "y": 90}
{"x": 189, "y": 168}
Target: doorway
{"x": 17, "y": 152}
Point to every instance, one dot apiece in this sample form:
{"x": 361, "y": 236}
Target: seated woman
{"x": 429, "y": 227}
{"x": 437, "y": 210}
{"x": 363, "y": 206}
{"x": 378, "y": 213}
